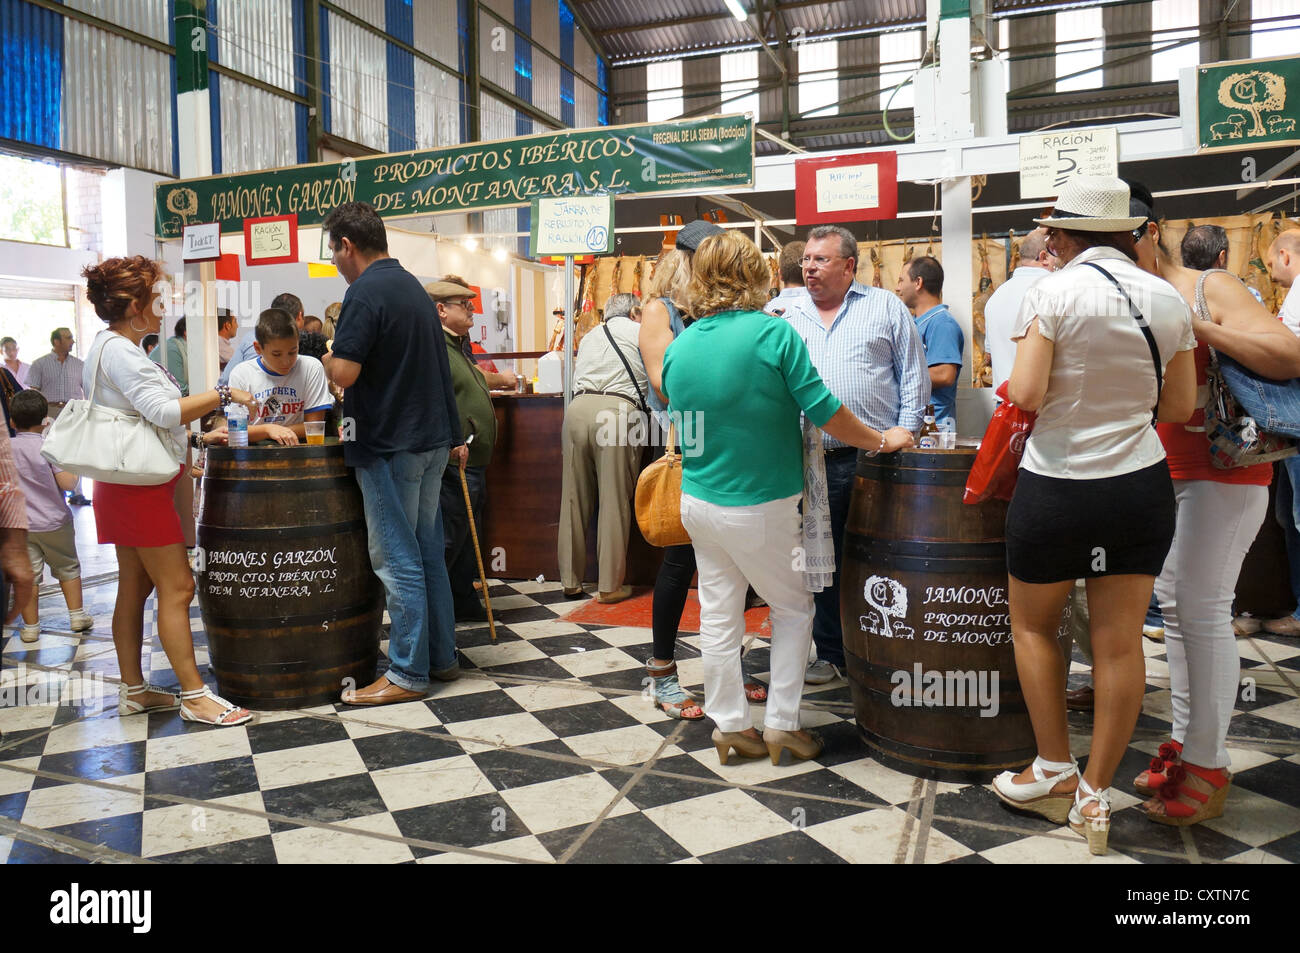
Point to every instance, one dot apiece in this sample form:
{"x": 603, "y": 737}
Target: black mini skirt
{"x": 1061, "y": 529}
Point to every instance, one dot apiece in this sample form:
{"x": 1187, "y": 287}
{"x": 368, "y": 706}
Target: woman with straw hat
{"x": 1104, "y": 349}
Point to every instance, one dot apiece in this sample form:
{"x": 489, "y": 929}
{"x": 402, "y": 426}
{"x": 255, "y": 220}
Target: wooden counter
{"x": 523, "y": 490}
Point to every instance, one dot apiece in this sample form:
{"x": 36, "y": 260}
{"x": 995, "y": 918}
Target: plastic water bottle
{"x": 947, "y": 434}
{"x": 237, "y": 424}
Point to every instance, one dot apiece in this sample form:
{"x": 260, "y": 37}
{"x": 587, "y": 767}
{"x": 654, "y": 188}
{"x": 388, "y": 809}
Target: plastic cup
{"x": 315, "y": 432}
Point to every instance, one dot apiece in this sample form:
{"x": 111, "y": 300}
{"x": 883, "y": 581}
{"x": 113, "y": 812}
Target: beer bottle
{"x": 929, "y": 439}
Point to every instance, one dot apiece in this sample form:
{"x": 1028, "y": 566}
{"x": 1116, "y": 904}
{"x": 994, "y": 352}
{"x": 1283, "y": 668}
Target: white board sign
{"x": 1050, "y": 159}
{"x": 201, "y": 242}
{"x": 841, "y": 188}
{"x": 580, "y": 225}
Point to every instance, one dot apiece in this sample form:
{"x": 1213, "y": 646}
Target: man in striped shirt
{"x": 57, "y": 375}
{"x": 864, "y": 344}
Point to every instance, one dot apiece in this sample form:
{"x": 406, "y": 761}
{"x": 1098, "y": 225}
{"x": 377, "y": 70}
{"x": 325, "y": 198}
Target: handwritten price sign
{"x": 582, "y": 225}
{"x": 1049, "y": 160}
{"x": 271, "y": 241}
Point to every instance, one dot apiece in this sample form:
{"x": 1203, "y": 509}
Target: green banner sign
{"x": 690, "y": 155}
{"x": 1248, "y": 104}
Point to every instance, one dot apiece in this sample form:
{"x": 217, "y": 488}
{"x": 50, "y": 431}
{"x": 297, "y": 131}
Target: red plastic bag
{"x": 997, "y": 463}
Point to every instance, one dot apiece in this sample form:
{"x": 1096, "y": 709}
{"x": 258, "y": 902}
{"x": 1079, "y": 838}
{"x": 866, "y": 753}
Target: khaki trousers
{"x": 600, "y": 469}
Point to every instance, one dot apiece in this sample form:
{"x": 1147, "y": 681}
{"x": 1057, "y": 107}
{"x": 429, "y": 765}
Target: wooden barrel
{"x": 927, "y": 631}
{"x": 291, "y": 606}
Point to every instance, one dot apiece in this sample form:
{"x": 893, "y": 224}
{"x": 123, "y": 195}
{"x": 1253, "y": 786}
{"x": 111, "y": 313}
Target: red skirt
{"x": 143, "y": 516}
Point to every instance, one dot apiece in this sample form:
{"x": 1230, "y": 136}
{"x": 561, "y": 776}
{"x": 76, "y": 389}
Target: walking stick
{"x": 478, "y": 554}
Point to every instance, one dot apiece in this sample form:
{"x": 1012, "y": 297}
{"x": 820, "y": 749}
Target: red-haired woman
{"x": 141, "y": 521}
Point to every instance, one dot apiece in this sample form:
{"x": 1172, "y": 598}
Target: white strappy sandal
{"x": 1095, "y": 828}
{"x": 1036, "y": 796}
{"x": 125, "y": 706}
{"x": 220, "y": 720}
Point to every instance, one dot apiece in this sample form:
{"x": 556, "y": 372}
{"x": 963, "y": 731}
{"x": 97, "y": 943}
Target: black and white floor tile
{"x": 547, "y": 750}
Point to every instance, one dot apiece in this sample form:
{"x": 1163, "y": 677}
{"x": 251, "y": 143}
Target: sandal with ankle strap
{"x": 127, "y": 707}
{"x": 1094, "y": 828}
{"x": 1036, "y": 796}
{"x": 1146, "y": 783}
{"x": 1177, "y": 812}
{"x": 669, "y": 696}
{"x": 220, "y": 720}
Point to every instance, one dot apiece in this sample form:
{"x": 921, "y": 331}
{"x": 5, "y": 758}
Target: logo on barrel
{"x": 888, "y": 597}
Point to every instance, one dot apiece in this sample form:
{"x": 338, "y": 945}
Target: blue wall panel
{"x": 301, "y": 114}
{"x": 566, "y": 54}
{"x": 400, "y": 22}
{"x": 327, "y": 101}
{"x": 214, "y": 86}
{"x": 31, "y": 74}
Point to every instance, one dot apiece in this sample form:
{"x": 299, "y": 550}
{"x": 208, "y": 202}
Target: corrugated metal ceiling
{"x": 630, "y": 30}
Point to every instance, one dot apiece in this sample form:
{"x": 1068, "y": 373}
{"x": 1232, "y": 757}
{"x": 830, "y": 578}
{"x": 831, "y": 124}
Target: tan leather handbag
{"x": 659, "y": 499}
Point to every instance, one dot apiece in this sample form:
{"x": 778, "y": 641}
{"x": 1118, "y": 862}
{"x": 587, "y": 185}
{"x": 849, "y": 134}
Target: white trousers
{"x": 755, "y": 544}
{"x": 1215, "y": 526}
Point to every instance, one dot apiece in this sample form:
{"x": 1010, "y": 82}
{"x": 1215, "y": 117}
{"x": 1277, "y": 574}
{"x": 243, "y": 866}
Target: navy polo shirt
{"x": 402, "y": 399}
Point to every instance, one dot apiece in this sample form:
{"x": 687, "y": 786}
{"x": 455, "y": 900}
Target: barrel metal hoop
{"x": 929, "y": 469}
{"x": 864, "y": 670}
{"x": 929, "y": 557}
{"x": 994, "y": 759}
{"x": 247, "y": 484}
{"x": 277, "y": 533}
{"x": 291, "y": 621}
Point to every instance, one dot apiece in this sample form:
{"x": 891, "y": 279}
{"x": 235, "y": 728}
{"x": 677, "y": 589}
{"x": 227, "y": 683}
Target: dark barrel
{"x": 927, "y": 630}
{"x": 291, "y": 606}
{"x": 1264, "y": 584}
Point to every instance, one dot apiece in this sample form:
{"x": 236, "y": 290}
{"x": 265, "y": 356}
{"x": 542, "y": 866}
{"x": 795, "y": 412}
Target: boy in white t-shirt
{"x": 289, "y": 388}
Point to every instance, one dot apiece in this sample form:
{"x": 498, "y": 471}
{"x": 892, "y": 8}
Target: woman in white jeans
{"x": 1219, "y": 513}
{"x": 740, "y": 378}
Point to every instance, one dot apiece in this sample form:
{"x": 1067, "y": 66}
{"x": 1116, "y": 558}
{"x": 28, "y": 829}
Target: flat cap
{"x": 691, "y": 234}
{"x": 447, "y": 290}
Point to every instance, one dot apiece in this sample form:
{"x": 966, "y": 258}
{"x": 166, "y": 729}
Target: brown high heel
{"x": 800, "y": 750}
{"x": 741, "y": 743}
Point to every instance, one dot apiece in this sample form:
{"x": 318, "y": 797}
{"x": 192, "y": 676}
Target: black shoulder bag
{"x": 640, "y": 398}
{"x": 1146, "y": 333}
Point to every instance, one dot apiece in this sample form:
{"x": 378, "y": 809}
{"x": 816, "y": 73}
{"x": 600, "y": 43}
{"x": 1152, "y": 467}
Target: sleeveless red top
{"x": 1187, "y": 449}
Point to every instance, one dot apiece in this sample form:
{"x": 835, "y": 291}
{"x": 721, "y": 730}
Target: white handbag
{"x": 110, "y": 445}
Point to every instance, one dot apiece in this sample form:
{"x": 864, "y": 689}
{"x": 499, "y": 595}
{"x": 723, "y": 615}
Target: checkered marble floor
{"x": 547, "y": 751}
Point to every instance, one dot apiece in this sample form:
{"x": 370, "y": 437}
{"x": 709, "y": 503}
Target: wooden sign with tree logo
{"x": 1248, "y": 104}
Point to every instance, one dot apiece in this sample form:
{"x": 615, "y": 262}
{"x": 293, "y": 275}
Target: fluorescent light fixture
{"x": 470, "y": 243}
{"x": 737, "y": 10}
{"x": 500, "y": 254}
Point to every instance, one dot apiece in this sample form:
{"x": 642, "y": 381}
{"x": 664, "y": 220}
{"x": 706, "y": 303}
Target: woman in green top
{"x": 739, "y": 379}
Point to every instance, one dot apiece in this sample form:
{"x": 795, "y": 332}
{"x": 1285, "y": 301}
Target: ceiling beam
{"x": 710, "y": 17}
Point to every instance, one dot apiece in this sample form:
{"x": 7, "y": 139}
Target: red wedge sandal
{"x": 1190, "y": 794}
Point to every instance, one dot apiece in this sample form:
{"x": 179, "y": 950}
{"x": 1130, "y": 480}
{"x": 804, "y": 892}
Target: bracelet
{"x": 223, "y": 392}
{"x": 876, "y": 452}
{"x": 196, "y": 440}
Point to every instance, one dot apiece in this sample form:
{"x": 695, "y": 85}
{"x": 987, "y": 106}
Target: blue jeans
{"x": 840, "y": 470}
{"x": 1288, "y": 515}
{"x": 404, "y": 527}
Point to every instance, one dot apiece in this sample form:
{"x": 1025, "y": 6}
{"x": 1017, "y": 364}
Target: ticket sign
{"x": 846, "y": 188}
{"x": 581, "y": 225}
{"x": 1049, "y": 160}
{"x": 201, "y": 242}
{"x": 271, "y": 241}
